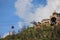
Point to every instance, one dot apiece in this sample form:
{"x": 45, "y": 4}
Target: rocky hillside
{"x": 44, "y": 33}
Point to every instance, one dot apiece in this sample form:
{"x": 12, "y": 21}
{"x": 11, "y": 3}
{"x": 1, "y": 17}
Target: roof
{"x": 45, "y": 19}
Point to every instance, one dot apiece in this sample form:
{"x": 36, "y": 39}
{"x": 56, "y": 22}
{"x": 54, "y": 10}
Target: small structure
{"x": 45, "y": 21}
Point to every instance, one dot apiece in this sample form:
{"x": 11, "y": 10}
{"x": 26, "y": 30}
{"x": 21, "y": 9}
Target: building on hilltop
{"x": 45, "y": 21}
{"x": 54, "y": 19}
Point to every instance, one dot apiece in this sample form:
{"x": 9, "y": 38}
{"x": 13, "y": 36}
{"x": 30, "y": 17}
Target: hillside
{"x": 44, "y": 33}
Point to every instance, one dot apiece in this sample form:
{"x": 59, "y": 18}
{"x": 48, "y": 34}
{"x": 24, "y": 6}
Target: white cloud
{"x": 20, "y": 24}
{"x": 24, "y": 7}
{"x": 45, "y": 12}
{"x": 6, "y": 34}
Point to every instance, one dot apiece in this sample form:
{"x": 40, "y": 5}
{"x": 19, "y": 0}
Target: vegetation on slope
{"x": 47, "y": 33}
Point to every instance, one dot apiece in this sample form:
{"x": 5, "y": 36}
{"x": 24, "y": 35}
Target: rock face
{"x": 55, "y": 18}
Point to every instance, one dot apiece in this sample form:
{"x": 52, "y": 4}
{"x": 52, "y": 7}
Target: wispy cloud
{"x": 27, "y": 11}
{"x": 6, "y": 34}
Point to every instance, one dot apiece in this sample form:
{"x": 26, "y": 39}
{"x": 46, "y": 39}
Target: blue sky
{"x": 8, "y": 17}
{"x": 39, "y": 2}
